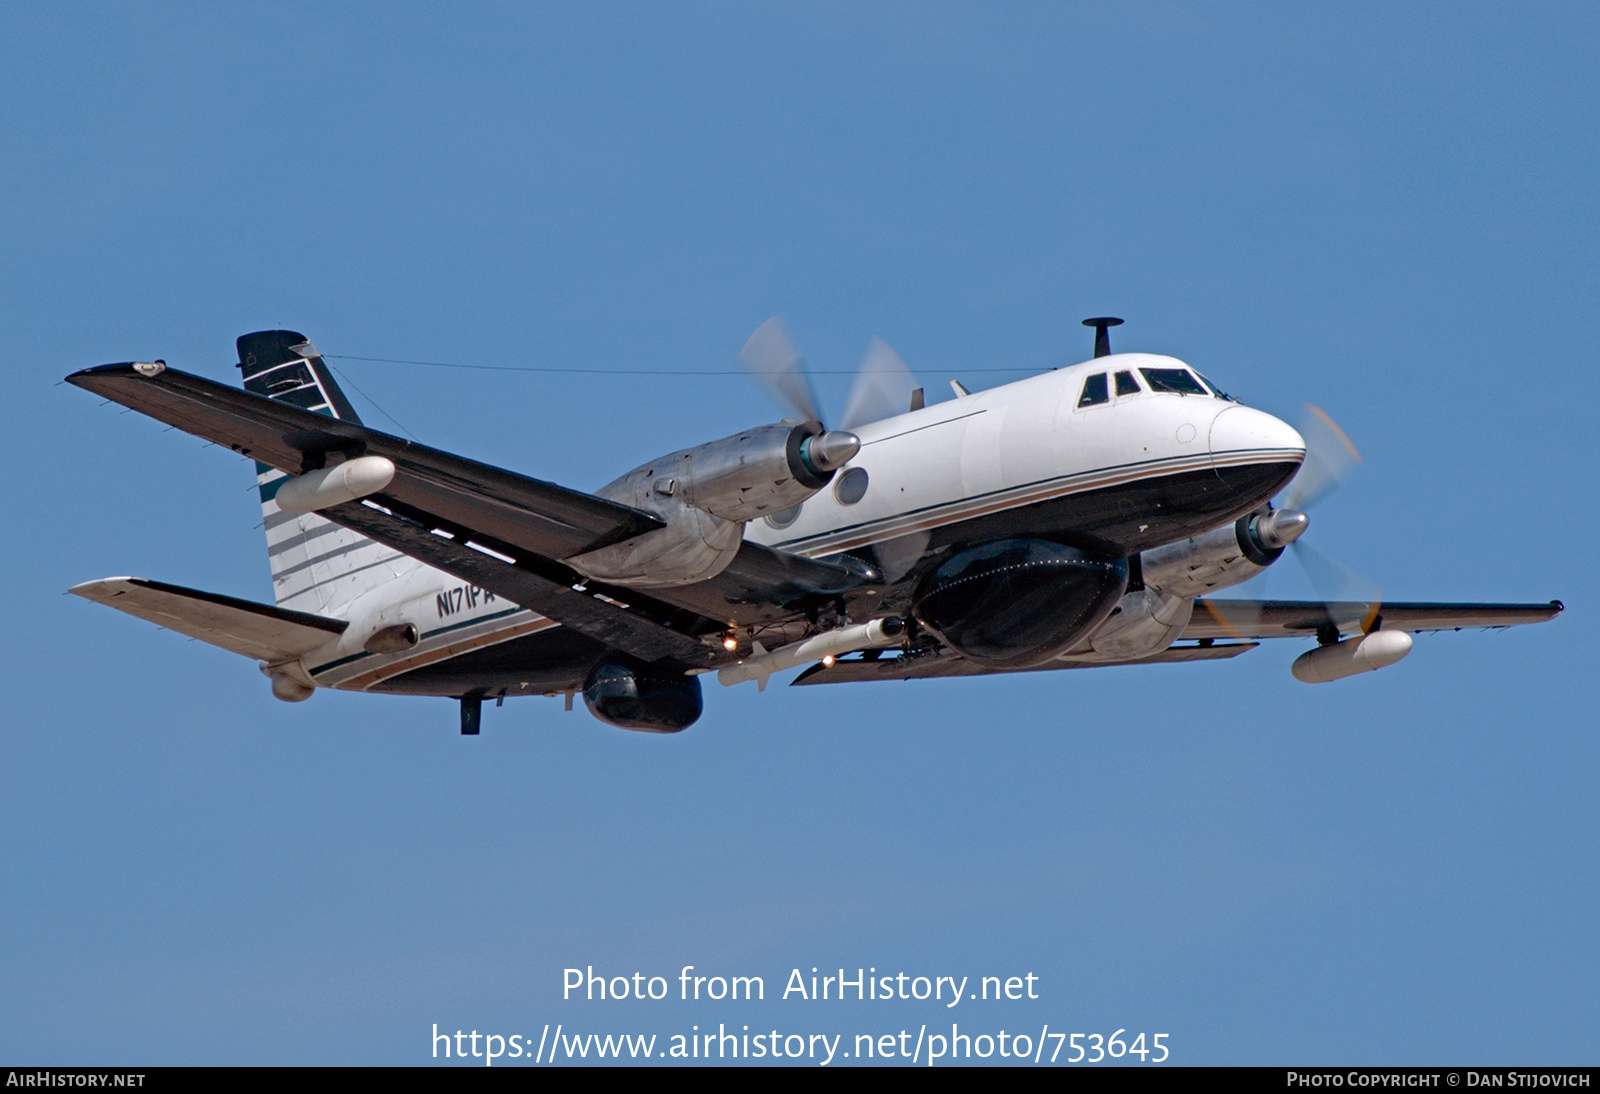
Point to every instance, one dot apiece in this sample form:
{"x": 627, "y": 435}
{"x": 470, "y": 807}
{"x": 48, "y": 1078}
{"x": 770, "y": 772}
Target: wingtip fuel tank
{"x": 1353, "y": 656}
{"x": 330, "y": 486}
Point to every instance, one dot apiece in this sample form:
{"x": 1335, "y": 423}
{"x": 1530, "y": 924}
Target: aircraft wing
{"x": 1227, "y": 618}
{"x": 538, "y": 516}
{"x": 945, "y": 663}
{"x": 1213, "y": 619}
{"x": 440, "y": 503}
{"x": 244, "y": 627}
{"x": 622, "y": 619}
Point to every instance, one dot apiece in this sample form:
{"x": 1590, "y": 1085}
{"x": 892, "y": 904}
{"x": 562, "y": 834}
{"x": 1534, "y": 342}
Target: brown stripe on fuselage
{"x": 957, "y": 512}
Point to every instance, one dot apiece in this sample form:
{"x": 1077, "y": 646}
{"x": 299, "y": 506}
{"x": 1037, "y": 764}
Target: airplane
{"x": 1077, "y": 518}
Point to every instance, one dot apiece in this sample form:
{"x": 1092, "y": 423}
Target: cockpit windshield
{"x": 1178, "y": 381}
{"x": 1094, "y": 391}
{"x": 1215, "y": 390}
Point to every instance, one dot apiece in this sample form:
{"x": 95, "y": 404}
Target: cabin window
{"x": 1178, "y": 381}
{"x": 851, "y": 487}
{"x": 1126, "y": 384}
{"x": 1095, "y": 391}
{"x": 784, "y": 517}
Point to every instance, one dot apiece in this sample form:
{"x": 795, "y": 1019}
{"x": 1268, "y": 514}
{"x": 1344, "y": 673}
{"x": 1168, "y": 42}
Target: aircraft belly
{"x": 1118, "y": 509}
{"x": 1135, "y": 514}
{"x": 547, "y": 662}
{"x": 363, "y": 671}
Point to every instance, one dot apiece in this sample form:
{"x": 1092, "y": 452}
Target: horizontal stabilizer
{"x": 240, "y": 626}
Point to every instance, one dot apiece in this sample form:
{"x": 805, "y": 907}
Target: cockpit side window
{"x": 1126, "y": 384}
{"x": 1178, "y": 381}
{"x": 1215, "y": 390}
{"x": 1095, "y": 391}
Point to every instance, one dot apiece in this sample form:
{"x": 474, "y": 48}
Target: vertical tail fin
{"x": 317, "y": 566}
{"x": 282, "y": 364}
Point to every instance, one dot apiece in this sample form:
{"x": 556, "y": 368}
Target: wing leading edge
{"x": 1227, "y": 618}
{"x": 538, "y": 516}
{"x": 1244, "y": 621}
{"x": 945, "y": 663}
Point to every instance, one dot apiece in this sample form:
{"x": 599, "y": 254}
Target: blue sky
{"x": 1387, "y": 210}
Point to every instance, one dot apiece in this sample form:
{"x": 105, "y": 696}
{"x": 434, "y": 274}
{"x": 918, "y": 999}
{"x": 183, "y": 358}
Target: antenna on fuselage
{"x": 1102, "y": 340}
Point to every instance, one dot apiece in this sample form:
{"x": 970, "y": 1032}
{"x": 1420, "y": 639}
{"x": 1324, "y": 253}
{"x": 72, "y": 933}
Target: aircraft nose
{"x": 1254, "y": 453}
{"x": 1243, "y": 434}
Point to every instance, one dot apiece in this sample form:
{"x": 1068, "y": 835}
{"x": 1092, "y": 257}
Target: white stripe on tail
{"x": 317, "y": 566}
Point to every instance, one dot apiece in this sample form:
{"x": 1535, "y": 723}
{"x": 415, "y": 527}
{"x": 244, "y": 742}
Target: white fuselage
{"x": 974, "y": 456}
{"x": 1023, "y": 443}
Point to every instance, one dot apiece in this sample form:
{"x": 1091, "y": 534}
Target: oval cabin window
{"x": 784, "y": 517}
{"x": 851, "y": 487}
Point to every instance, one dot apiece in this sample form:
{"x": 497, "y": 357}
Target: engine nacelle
{"x": 1144, "y": 622}
{"x": 289, "y": 689}
{"x": 707, "y": 493}
{"x": 758, "y": 472}
{"x": 290, "y": 681}
{"x": 396, "y": 638}
{"x": 1019, "y": 602}
{"x": 1223, "y": 556}
{"x": 624, "y": 692}
{"x": 694, "y": 546}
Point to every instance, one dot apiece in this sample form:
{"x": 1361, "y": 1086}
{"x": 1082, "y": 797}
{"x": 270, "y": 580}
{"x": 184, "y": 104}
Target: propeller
{"x": 1351, "y": 599}
{"x": 773, "y": 360}
{"x": 1331, "y": 458}
{"x": 883, "y": 387}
